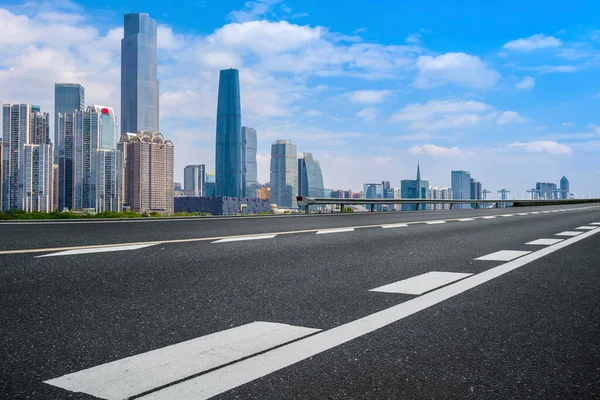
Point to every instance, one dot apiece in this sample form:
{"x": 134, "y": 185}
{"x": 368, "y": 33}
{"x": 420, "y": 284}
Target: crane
{"x": 484, "y": 193}
{"x": 534, "y": 193}
{"x": 504, "y": 193}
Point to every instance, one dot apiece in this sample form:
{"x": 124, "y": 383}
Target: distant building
{"x": 150, "y": 172}
{"x": 547, "y": 190}
{"x": 338, "y": 194}
{"x": 222, "y": 205}
{"x": 310, "y": 177}
{"x": 461, "y": 187}
{"x": 139, "y": 83}
{"x": 436, "y": 193}
{"x": 284, "y": 174}
{"x": 250, "y": 177}
{"x": 68, "y": 98}
{"x": 40, "y": 128}
{"x": 210, "y": 188}
{"x": 229, "y": 147}
{"x": 414, "y": 189}
{"x": 194, "y": 180}
{"x": 564, "y": 188}
{"x": 476, "y": 189}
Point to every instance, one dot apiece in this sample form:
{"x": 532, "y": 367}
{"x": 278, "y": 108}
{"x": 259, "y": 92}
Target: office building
{"x": 564, "y": 188}
{"x": 461, "y": 187}
{"x": 150, "y": 172}
{"x": 194, "y": 180}
{"x": 250, "y": 177}
{"x": 476, "y": 189}
{"x": 310, "y": 177}
{"x": 284, "y": 174}
{"x": 229, "y": 147}
{"x": 26, "y": 169}
{"x": 139, "y": 83}
{"x": 546, "y": 190}
{"x": 105, "y": 121}
{"x": 414, "y": 189}
{"x": 211, "y": 186}
{"x": 68, "y": 98}
{"x": 436, "y": 193}
{"x": 108, "y": 175}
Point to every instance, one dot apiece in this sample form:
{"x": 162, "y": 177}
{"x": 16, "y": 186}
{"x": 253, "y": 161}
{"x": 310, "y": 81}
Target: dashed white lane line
{"x": 326, "y": 231}
{"x": 488, "y": 217}
{"x": 394, "y": 226}
{"x": 535, "y": 212}
{"x": 507, "y": 215}
{"x": 545, "y": 242}
{"x": 503, "y": 255}
{"x": 244, "y": 238}
{"x": 421, "y": 283}
{"x": 134, "y": 375}
{"x": 569, "y": 233}
{"x": 97, "y": 250}
{"x": 234, "y": 375}
{"x": 523, "y": 214}
{"x": 587, "y": 228}
{"x": 435, "y": 222}
{"x": 466, "y": 219}
{"x": 595, "y": 223}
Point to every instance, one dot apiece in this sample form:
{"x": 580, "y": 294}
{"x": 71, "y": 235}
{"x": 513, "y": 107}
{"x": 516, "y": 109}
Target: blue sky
{"x": 506, "y": 90}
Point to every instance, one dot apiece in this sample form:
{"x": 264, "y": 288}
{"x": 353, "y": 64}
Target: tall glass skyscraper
{"x": 250, "y": 178}
{"x": 414, "y": 189}
{"x": 310, "y": 177}
{"x": 139, "y": 84}
{"x": 461, "y": 187}
{"x": 229, "y": 147}
{"x": 106, "y": 124}
{"x": 564, "y": 188}
{"x": 284, "y": 174}
{"x": 68, "y": 98}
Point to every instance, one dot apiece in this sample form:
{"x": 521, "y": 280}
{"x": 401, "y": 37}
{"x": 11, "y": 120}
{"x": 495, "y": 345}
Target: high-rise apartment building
{"x": 310, "y": 177}
{"x": 564, "y": 188}
{"x": 414, "y": 189}
{"x": 139, "y": 83}
{"x": 150, "y": 172}
{"x": 68, "y": 98}
{"x": 107, "y": 125}
{"x": 194, "y": 180}
{"x": 461, "y": 187}
{"x": 25, "y": 177}
{"x": 250, "y": 177}
{"x": 229, "y": 148}
{"x": 436, "y": 193}
{"x": 284, "y": 174}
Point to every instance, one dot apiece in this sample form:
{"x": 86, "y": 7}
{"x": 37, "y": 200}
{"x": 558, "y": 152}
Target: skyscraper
{"x": 229, "y": 149}
{"x": 36, "y": 178}
{"x": 150, "y": 172}
{"x": 139, "y": 84}
{"x": 564, "y": 187}
{"x": 310, "y": 177}
{"x": 284, "y": 174}
{"x": 68, "y": 98}
{"x": 476, "y": 189}
{"x": 546, "y": 190}
{"x": 194, "y": 180}
{"x": 461, "y": 187}
{"x": 414, "y": 189}
{"x": 106, "y": 122}
{"x": 40, "y": 128}
{"x": 250, "y": 178}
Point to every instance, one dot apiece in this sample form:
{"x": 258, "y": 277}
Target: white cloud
{"x": 369, "y": 96}
{"x": 441, "y": 114}
{"x": 414, "y": 38}
{"x": 567, "y": 124}
{"x": 253, "y": 10}
{"x": 543, "y": 146}
{"x": 383, "y": 160}
{"x": 368, "y": 114}
{"x": 539, "y": 41}
{"x": 526, "y": 83}
{"x": 456, "y": 68}
{"x": 314, "y": 113}
{"x": 553, "y": 69}
{"x": 509, "y": 117}
{"x": 436, "y": 151}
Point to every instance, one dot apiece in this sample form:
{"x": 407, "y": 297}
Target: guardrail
{"x": 309, "y": 201}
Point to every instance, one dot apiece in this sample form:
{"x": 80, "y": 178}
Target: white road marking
{"x": 465, "y": 219}
{"x": 234, "y": 375}
{"x": 422, "y": 283}
{"x": 534, "y": 212}
{"x": 545, "y": 242}
{"x": 595, "y": 223}
{"x": 503, "y": 255}
{"x": 134, "y": 375}
{"x": 546, "y": 212}
{"x": 97, "y": 250}
{"x": 507, "y": 215}
{"x": 523, "y": 214}
{"x": 568, "y": 233}
{"x": 435, "y": 222}
{"x": 326, "y": 231}
{"x": 243, "y": 238}
{"x": 587, "y": 228}
{"x": 488, "y": 217}
{"x": 394, "y": 226}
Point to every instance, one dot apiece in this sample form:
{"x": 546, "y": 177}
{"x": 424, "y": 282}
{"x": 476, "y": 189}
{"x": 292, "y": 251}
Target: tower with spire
{"x": 414, "y": 189}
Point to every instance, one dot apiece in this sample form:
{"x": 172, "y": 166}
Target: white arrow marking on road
{"x": 422, "y": 283}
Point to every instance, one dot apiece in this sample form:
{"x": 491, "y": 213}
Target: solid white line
{"x": 435, "y": 222}
{"x": 534, "y": 212}
{"x": 323, "y": 232}
{"x": 131, "y": 376}
{"x": 465, "y": 219}
{"x": 545, "y": 242}
{"x": 394, "y": 226}
{"x": 243, "y": 238}
{"x": 503, "y": 255}
{"x": 232, "y": 376}
{"x": 488, "y": 217}
{"x": 422, "y": 283}
{"x": 587, "y": 228}
{"x": 97, "y": 250}
{"x": 568, "y": 233}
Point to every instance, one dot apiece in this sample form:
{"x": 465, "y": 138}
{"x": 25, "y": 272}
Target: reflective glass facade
{"x": 284, "y": 174}
{"x": 310, "y": 177}
{"x": 414, "y": 189}
{"x": 139, "y": 84}
{"x": 461, "y": 187}
{"x": 229, "y": 148}
{"x": 194, "y": 180}
{"x": 250, "y": 178}
{"x": 68, "y": 98}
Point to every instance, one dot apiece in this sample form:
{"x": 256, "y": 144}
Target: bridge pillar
{"x": 372, "y": 207}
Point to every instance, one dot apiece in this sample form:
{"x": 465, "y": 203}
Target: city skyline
{"x": 187, "y": 115}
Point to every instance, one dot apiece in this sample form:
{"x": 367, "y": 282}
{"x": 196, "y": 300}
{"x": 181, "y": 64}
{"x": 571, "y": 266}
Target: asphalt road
{"x": 526, "y": 328}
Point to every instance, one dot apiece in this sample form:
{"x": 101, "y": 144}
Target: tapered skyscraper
{"x": 139, "y": 84}
{"x": 229, "y": 149}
